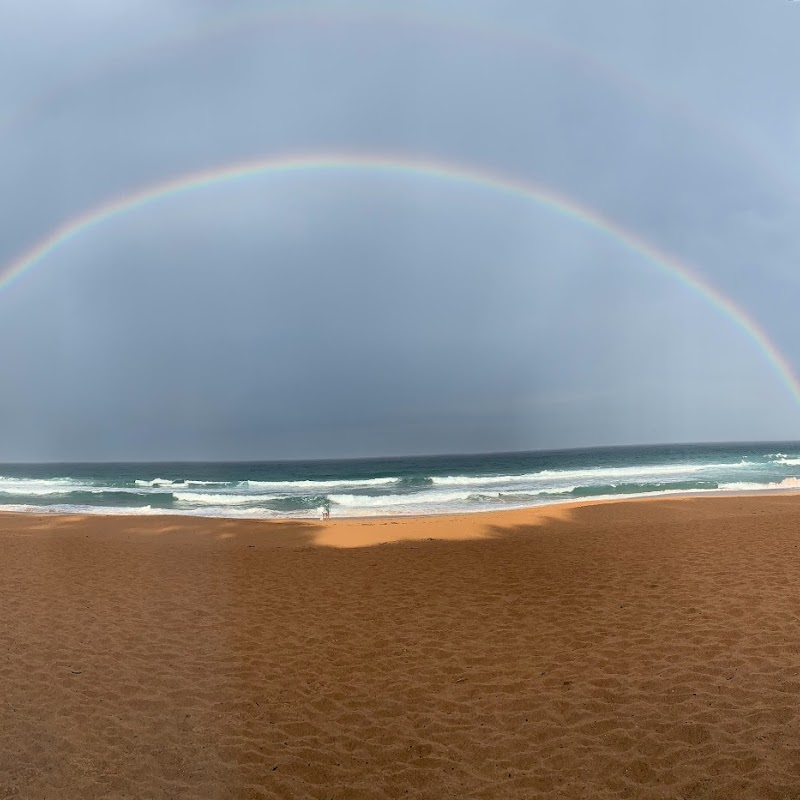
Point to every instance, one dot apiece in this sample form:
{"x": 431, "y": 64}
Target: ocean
{"x": 398, "y": 486}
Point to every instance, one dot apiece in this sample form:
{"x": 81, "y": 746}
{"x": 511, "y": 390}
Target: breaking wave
{"x": 425, "y": 485}
{"x": 750, "y": 486}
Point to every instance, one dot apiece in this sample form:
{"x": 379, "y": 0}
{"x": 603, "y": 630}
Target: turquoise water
{"x": 398, "y": 486}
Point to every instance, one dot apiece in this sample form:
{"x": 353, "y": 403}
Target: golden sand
{"x": 632, "y": 649}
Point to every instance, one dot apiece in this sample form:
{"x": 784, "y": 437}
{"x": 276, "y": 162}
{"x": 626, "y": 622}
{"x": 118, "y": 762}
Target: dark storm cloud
{"x": 315, "y": 315}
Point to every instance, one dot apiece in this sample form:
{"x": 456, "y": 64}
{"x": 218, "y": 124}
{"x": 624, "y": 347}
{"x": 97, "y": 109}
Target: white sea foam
{"x": 595, "y": 474}
{"x": 164, "y": 483}
{"x": 751, "y": 486}
{"x": 318, "y": 486}
{"x": 43, "y": 487}
{"x": 530, "y": 492}
{"x": 631, "y": 496}
{"x": 64, "y": 508}
{"x": 222, "y": 499}
{"x": 30, "y": 485}
{"x": 132, "y": 511}
{"x": 412, "y": 499}
{"x": 32, "y": 491}
{"x": 794, "y": 462}
{"x": 484, "y": 480}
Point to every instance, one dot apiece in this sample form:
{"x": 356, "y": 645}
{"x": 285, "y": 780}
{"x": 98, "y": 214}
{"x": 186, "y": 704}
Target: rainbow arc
{"x": 423, "y": 169}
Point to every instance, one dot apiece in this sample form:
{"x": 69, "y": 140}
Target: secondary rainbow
{"x": 407, "y": 166}
{"x": 354, "y": 15}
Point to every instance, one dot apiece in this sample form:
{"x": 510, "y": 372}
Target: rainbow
{"x": 322, "y": 19}
{"x": 419, "y": 167}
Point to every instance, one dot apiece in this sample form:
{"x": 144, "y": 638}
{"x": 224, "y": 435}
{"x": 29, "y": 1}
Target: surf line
{"x": 401, "y": 165}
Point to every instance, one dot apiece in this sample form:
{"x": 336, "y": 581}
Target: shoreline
{"x": 558, "y": 504}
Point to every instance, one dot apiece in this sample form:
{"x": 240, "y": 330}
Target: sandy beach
{"x": 631, "y": 649}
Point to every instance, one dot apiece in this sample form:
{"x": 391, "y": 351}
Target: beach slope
{"x": 638, "y": 649}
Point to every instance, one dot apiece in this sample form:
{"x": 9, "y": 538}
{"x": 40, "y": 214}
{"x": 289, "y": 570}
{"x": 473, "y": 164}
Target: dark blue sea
{"x": 398, "y": 486}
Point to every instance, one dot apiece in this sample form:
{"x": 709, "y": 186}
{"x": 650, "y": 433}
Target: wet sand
{"x": 631, "y": 649}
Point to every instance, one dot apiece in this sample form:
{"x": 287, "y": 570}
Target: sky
{"x": 356, "y": 312}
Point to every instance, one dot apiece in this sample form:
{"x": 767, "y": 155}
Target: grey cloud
{"x": 325, "y": 315}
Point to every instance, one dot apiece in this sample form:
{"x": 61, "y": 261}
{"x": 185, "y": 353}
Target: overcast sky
{"x": 321, "y": 314}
